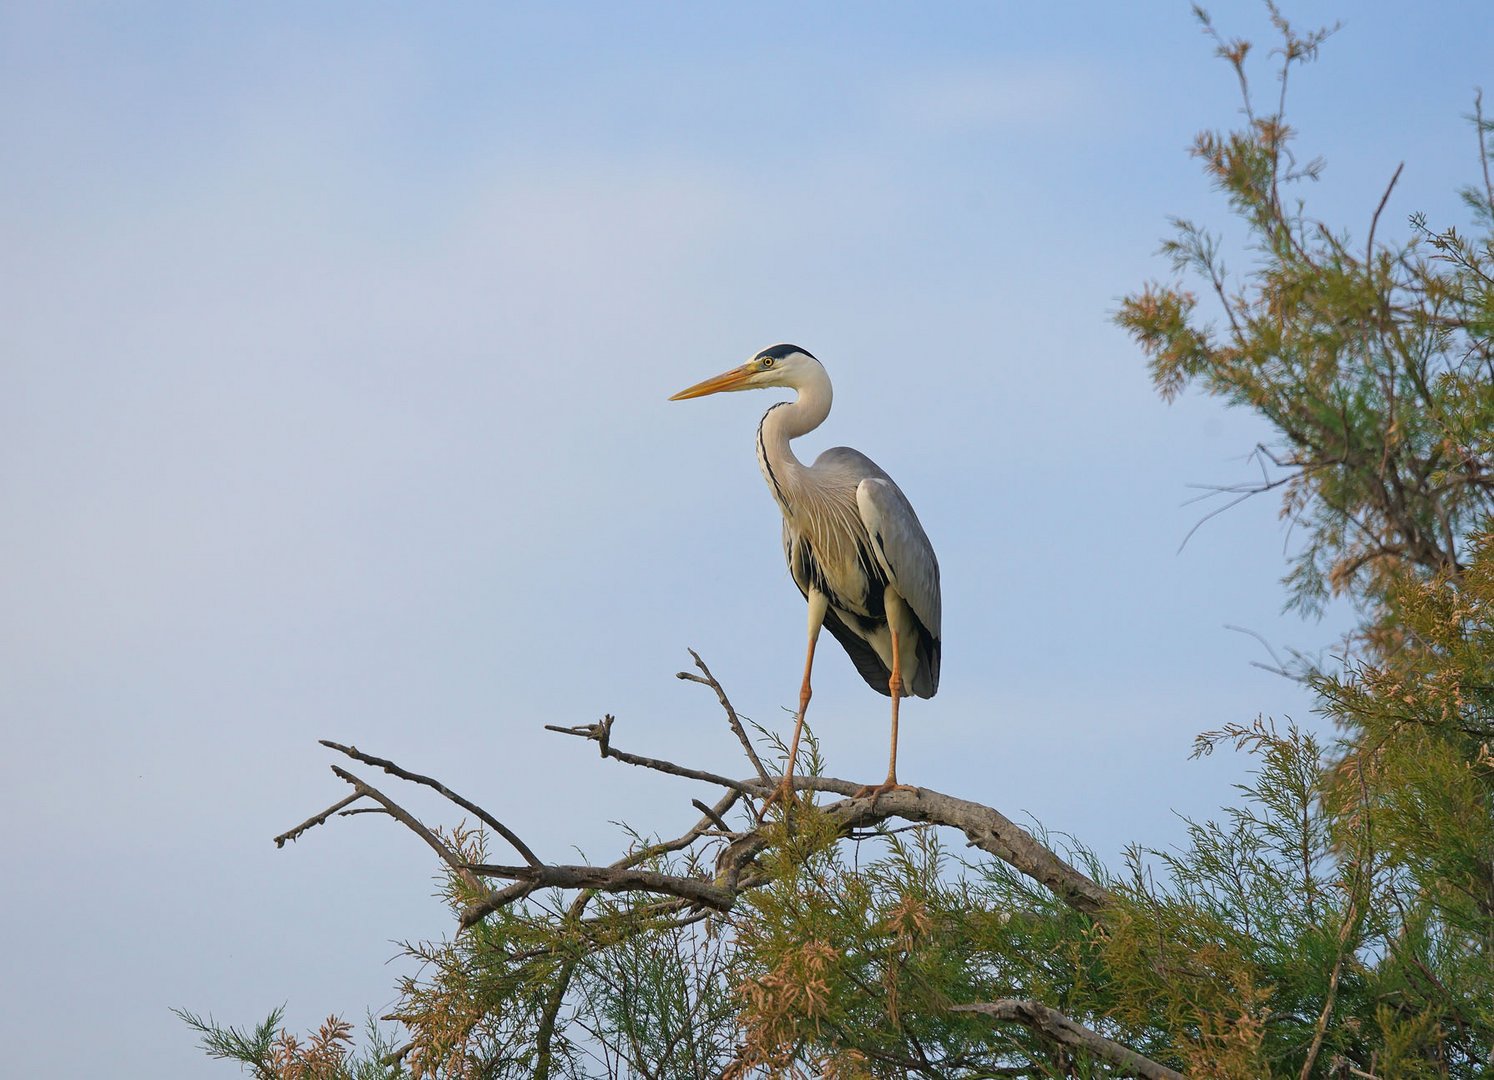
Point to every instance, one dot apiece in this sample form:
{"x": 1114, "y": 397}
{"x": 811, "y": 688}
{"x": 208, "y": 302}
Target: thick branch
{"x": 1054, "y": 1025}
{"x": 986, "y": 828}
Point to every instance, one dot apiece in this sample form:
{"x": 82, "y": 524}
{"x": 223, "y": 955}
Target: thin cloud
{"x": 980, "y": 99}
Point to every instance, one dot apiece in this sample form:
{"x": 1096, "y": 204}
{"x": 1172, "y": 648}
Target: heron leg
{"x": 818, "y": 605}
{"x": 895, "y": 684}
{"x": 895, "y": 687}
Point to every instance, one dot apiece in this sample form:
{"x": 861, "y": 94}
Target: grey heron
{"x": 854, "y": 545}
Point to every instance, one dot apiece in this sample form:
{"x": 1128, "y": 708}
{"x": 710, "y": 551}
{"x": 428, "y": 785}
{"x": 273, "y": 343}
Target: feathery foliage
{"x": 1372, "y": 361}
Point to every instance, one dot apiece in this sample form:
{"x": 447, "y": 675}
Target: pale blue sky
{"x": 336, "y": 341}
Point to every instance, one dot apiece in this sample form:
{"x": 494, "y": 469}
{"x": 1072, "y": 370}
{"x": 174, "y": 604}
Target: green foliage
{"x": 251, "y": 1048}
{"x": 1372, "y": 362}
{"x": 853, "y": 966}
{"x": 558, "y": 986}
{"x": 1420, "y": 731}
{"x": 270, "y": 1052}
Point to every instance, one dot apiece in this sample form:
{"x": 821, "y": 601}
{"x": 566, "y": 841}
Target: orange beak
{"x": 735, "y": 379}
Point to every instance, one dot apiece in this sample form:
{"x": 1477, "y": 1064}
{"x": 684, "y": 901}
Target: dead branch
{"x": 731, "y": 713}
{"x": 601, "y": 734}
{"x": 1054, "y": 1025}
{"x": 985, "y": 827}
{"x": 716, "y": 818}
{"x": 472, "y": 808}
{"x": 408, "y": 820}
{"x": 1369, "y": 247}
{"x": 316, "y": 819}
{"x": 475, "y": 913}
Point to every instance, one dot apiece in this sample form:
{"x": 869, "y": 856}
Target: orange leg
{"x": 818, "y": 605}
{"x": 895, "y": 684}
{"x": 895, "y": 687}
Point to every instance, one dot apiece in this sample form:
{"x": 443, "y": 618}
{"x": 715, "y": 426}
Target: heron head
{"x": 777, "y": 365}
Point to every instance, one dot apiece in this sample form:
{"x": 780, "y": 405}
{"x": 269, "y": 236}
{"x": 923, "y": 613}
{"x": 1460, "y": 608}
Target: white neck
{"x": 788, "y": 420}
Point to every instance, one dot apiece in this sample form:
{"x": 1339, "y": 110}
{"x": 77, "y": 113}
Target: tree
{"x": 1374, "y": 365}
{"x": 1338, "y": 920}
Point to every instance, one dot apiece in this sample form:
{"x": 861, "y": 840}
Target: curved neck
{"x": 788, "y": 420}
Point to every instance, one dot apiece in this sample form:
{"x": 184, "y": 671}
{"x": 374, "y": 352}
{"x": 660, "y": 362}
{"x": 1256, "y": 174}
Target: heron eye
{"x": 767, "y": 362}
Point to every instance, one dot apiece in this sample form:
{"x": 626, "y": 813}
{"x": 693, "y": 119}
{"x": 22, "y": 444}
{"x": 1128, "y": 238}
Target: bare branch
{"x": 1236, "y": 501}
{"x": 699, "y": 829}
{"x": 709, "y": 812}
{"x": 1483, "y": 144}
{"x": 1055, "y": 1025}
{"x": 475, "y": 913}
{"x": 601, "y": 734}
{"x": 1369, "y": 251}
{"x": 449, "y": 857}
{"x": 472, "y": 808}
{"x": 1277, "y": 666}
{"x": 316, "y": 819}
{"x": 731, "y": 713}
{"x": 985, "y": 828}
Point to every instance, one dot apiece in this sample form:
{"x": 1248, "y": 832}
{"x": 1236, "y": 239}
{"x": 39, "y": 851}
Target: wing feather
{"x": 902, "y": 547}
{"x": 903, "y": 550}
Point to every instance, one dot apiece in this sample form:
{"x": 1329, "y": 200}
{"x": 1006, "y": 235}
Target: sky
{"x": 335, "y": 344}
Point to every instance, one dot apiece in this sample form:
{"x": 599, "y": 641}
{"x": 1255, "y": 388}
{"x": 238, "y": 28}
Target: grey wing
{"x": 901, "y": 547}
{"x": 907, "y": 558}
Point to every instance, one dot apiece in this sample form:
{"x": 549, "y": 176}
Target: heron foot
{"x": 783, "y": 793}
{"x": 890, "y": 784}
